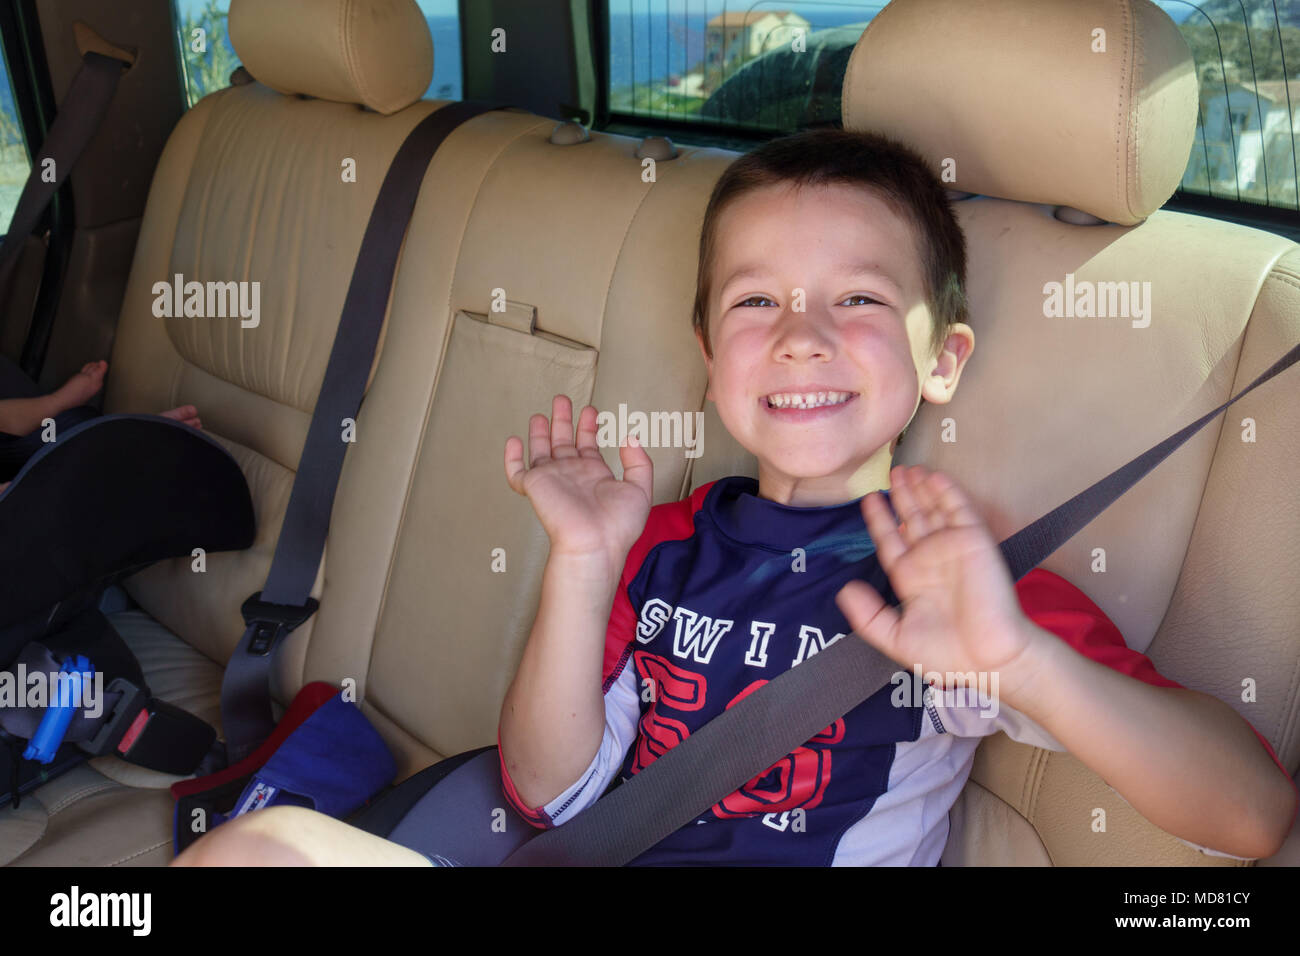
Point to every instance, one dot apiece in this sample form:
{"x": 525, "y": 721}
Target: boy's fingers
{"x": 869, "y": 616}
{"x": 587, "y": 433}
{"x": 910, "y": 508}
{"x": 562, "y": 428}
{"x": 637, "y": 467}
{"x": 923, "y": 489}
{"x": 923, "y": 492}
{"x": 539, "y": 439}
{"x": 515, "y": 463}
{"x": 883, "y": 529}
{"x": 958, "y": 508}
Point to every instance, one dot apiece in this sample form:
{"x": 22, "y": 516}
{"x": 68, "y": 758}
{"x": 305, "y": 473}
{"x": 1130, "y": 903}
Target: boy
{"x": 21, "y": 417}
{"x": 829, "y": 304}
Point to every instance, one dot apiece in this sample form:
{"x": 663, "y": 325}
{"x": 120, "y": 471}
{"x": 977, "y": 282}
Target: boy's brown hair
{"x": 895, "y": 173}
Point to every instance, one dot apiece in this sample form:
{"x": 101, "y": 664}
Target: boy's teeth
{"x": 807, "y": 399}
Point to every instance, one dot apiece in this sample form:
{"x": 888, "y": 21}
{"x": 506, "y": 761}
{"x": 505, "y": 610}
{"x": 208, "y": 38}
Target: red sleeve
{"x": 533, "y": 815}
{"x": 1056, "y": 605}
{"x": 667, "y": 522}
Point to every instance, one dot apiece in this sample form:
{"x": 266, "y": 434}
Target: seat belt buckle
{"x": 150, "y": 732}
{"x": 130, "y": 705}
{"x": 165, "y": 737}
{"x": 270, "y": 622}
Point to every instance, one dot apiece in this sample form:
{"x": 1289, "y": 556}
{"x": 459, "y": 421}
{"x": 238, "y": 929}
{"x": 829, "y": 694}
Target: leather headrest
{"x": 374, "y": 52}
{"x": 1088, "y": 105}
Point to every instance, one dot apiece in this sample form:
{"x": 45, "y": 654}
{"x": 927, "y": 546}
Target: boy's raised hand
{"x": 959, "y": 609}
{"x": 585, "y": 510}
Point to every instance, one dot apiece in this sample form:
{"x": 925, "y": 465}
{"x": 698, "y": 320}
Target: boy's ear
{"x": 941, "y": 383}
{"x": 708, "y": 363}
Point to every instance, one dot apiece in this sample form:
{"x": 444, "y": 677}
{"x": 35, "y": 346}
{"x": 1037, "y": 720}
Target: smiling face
{"x": 819, "y": 300}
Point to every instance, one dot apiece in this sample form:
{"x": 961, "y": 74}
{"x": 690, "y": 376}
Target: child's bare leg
{"x": 294, "y": 836}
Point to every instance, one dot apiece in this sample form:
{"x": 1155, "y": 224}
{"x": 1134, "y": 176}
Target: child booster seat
{"x": 109, "y": 497}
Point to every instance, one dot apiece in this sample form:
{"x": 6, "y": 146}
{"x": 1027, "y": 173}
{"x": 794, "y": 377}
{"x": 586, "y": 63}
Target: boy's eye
{"x": 759, "y": 301}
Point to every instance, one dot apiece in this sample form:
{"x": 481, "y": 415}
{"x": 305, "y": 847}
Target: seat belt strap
{"x": 751, "y": 736}
{"x": 1032, "y": 544}
{"x": 284, "y": 603}
{"x": 84, "y": 108}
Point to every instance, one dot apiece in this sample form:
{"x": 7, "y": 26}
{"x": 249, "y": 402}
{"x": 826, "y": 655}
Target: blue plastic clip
{"x": 54, "y": 724}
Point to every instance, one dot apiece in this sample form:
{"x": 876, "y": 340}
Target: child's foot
{"x": 78, "y": 389}
{"x": 185, "y": 414}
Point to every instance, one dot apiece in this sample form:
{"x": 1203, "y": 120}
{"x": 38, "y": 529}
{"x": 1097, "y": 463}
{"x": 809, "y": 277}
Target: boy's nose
{"x": 803, "y": 336}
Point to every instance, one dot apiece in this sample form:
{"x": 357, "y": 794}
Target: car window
{"x": 1247, "y": 56}
{"x": 443, "y": 17}
{"x": 208, "y": 59}
{"x": 772, "y": 66}
{"x": 778, "y": 66}
{"x": 15, "y": 163}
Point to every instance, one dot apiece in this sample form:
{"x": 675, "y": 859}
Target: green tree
{"x": 1231, "y": 51}
{"x": 210, "y": 69}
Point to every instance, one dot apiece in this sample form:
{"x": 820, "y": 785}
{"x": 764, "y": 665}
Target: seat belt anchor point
{"x": 270, "y": 622}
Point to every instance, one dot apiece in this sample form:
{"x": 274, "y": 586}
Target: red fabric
{"x": 534, "y": 815}
{"x": 304, "y": 705}
{"x": 1056, "y": 605}
{"x": 674, "y": 521}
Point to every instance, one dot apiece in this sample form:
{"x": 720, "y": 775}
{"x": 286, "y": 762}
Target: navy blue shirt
{"x": 725, "y": 591}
